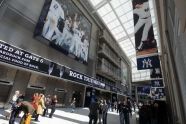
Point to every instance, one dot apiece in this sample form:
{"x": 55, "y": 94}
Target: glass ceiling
{"x": 117, "y": 15}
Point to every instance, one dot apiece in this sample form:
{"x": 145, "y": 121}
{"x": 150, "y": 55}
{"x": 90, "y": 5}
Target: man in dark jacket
{"x": 28, "y": 110}
{"x": 94, "y": 109}
{"x": 126, "y": 110}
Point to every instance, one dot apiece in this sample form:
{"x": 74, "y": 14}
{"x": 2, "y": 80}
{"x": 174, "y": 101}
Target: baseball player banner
{"x": 64, "y": 27}
{"x": 143, "y": 28}
{"x": 155, "y": 73}
{"x": 157, "y": 83}
{"x": 148, "y": 62}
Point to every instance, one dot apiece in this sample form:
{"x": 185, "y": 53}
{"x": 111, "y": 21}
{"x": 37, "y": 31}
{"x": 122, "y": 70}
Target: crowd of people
{"x": 99, "y": 109}
{"x": 38, "y": 106}
{"x": 152, "y": 112}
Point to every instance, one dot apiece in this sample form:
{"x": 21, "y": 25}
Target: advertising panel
{"x": 64, "y": 27}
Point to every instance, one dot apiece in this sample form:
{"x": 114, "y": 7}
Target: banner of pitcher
{"x": 64, "y": 27}
{"x": 146, "y": 45}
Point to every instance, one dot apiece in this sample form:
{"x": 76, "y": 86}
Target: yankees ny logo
{"x": 147, "y": 63}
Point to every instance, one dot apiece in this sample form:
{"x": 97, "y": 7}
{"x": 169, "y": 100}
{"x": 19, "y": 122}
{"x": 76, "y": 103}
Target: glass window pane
{"x": 113, "y": 24}
{"x": 104, "y": 10}
{"x": 119, "y": 36}
{"x": 130, "y": 30}
{"x": 116, "y": 3}
{"x": 109, "y": 17}
{"x": 95, "y": 2}
{"x": 124, "y": 18}
{"x": 117, "y": 30}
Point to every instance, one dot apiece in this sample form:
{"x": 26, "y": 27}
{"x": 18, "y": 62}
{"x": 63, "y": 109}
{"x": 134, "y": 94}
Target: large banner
{"x": 149, "y": 62}
{"x": 65, "y": 27}
{"x": 145, "y": 41}
{"x": 144, "y": 34}
{"x": 15, "y": 56}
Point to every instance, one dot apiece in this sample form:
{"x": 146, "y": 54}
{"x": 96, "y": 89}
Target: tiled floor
{"x": 64, "y": 116}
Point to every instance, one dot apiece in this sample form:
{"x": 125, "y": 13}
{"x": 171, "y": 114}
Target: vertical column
{"x": 20, "y": 83}
{"x": 83, "y": 96}
{"x": 136, "y": 94}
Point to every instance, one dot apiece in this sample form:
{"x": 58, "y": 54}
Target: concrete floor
{"x": 64, "y": 116}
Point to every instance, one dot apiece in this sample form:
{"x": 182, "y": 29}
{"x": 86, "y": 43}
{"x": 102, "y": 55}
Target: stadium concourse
{"x": 64, "y": 116}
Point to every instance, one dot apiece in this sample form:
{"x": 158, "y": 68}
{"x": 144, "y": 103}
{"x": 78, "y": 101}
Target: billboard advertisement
{"x": 143, "y": 28}
{"x": 64, "y": 27}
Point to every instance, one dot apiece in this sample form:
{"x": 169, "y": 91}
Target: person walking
{"x": 73, "y": 105}
{"x": 121, "y": 114}
{"x": 34, "y": 103}
{"x": 15, "y": 98}
{"x": 27, "y": 109}
{"x": 53, "y": 105}
{"x": 93, "y": 114}
{"x": 47, "y": 105}
{"x": 105, "y": 110}
{"x": 126, "y": 111}
{"x": 100, "y": 111}
{"x": 40, "y": 107}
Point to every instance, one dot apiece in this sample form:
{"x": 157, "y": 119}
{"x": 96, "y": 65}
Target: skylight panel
{"x": 123, "y": 18}
{"x": 113, "y": 24}
{"x": 95, "y": 2}
{"x": 130, "y": 30}
{"x": 116, "y": 3}
{"x": 118, "y": 36}
{"x": 109, "y": 17}
{"x": 104, "y": 10}
{"x": 130, "y": 15}
{"x": 117, "y": 30}
{"x": 127, "y": 25}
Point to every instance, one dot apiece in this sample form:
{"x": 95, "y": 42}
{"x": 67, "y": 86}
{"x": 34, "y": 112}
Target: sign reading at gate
{"x": 15, "y": 56}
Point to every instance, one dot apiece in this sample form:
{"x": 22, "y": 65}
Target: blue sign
{"x": 157, "y": 83}
{"x": 155, "y": 73}
{"x": 148, "y": 62}
{"x": 143, "y": 90}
